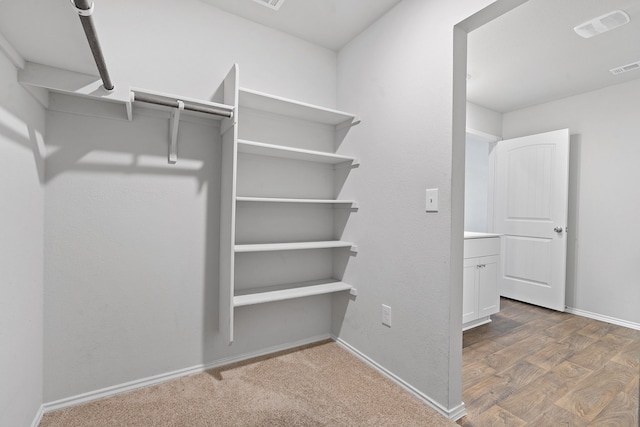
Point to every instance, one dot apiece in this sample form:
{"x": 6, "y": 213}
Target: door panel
{"x": 469, "y": 295}
{"x": 531, "y": 207}
{"x": 488, "y": 296}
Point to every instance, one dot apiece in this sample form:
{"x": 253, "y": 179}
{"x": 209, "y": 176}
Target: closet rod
{"x": 169, "y": 102}
{"x": 85, "y": 10}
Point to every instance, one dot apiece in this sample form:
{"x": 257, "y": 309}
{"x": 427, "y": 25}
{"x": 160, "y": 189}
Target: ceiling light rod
{"x": 85, "y": 10}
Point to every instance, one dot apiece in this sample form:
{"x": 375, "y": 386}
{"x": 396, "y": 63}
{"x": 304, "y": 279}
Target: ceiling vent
{"x": 602, "y": 24}
{"x": 271, "y": 4}
{"x": 625, "y": 68}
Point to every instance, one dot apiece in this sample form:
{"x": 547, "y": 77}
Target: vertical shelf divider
{"x": 229, "y": 131}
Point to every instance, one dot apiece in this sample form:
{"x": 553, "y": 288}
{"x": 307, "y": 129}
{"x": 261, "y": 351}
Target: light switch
{"x": 432, "y": 200}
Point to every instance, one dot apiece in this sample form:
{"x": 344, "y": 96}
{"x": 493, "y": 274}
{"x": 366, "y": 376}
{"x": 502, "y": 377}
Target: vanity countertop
{"x": 477, "y": 235}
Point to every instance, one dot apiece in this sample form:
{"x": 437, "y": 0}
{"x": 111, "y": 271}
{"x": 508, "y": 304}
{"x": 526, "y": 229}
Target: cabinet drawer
{"x": 481, "y": 247}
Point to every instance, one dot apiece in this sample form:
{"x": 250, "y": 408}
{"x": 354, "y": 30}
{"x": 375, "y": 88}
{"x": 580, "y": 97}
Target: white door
{"x": 530, "y": 210}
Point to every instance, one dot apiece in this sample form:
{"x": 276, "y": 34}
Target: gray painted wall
{"x": 483, "y": 127}
{"x": 131, "y": 288}
{"x": 476, "y": 180}
{"x": 398, "y": 76}
{"x": 132, "y": 246}
{"x": 483, "y": 120}
{"x": 189, "y": 48}
{"x": 22, "y": 123}
{"x": 603, "y": 251}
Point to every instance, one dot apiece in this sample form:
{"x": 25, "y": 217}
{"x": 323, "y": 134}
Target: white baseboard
{"x": 453, "y": 414}
{"x": 475, "y": 323}
{"x": 157, "y": 379}
{"x": 38, "y": 417}
{"x": 603, "y": 318}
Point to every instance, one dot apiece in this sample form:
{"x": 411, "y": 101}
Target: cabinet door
{"x": 469, "y": 290}
{"x": 488, "y": 296}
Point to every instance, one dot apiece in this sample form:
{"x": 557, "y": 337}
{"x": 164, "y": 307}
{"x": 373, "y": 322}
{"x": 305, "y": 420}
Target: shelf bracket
{"x": 175, "y": 121}
{"x": 348, "y": 124}
{"x": 129, "y": 106}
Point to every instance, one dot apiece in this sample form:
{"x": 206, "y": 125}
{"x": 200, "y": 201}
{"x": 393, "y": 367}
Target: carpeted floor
{"x": 317, "y": 385}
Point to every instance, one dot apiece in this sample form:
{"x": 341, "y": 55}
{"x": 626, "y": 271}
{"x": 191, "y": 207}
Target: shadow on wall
{"x": 14, "y": 129}
{"x": 132, "y": 246}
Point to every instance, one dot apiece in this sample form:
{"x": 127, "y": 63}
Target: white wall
{"x": 22, "y": 123}
{"x": 484, "y": 126}
{"x": 189, "y": 46}
{"x": 603, "y": 252}
{"x": 131, "y": 268}
{"x": 476, "y": 183}
{"x": 397, "y": 75}
{"x": 482, "y": 119}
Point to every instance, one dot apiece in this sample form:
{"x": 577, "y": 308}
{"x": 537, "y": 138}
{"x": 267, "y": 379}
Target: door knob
{"x": 558, "y": 229}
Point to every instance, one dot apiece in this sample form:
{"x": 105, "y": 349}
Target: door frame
{"x": 459, "y": 110}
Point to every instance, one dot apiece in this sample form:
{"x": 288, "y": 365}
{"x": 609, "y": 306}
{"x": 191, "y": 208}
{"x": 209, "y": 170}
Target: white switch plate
{"x": 432, "y": 200}
{"x": 386, "y": 315}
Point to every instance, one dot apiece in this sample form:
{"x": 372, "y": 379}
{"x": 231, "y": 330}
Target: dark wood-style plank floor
{"x": 537, "y": 367}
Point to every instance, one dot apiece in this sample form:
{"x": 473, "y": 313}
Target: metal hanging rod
{"x": 175, "y": 103}
{"x": 85, "y": 10}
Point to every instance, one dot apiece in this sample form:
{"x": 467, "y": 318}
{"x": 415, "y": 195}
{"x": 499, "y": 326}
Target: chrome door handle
{"x": 558, "y": 229}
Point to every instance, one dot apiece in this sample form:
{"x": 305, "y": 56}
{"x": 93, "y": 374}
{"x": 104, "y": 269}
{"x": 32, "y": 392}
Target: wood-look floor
{"x": 537, "y": 367}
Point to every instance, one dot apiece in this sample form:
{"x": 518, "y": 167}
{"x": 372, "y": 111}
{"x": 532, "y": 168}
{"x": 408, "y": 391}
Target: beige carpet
{"x": 317, "y": 385}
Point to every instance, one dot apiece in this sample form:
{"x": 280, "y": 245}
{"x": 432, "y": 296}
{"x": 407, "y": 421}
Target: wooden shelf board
{"x": 288, "y": 107}
{"x": 285, "y": 200}
{"x": 254, "y": 296}
{"x": 262, "y": 149}
{"x": 269, "y": 247}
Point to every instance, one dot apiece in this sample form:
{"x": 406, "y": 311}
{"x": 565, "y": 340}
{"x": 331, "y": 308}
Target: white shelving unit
{"x": 279, "y": 163}
{"x": 260, "y": 296}
{"x": 295, "y": 246}
{"x": 299, "y": 110}
{"x": 352, "y": 203}
{"x": 272, "y": 150}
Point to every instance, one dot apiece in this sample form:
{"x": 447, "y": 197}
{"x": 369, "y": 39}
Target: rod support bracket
{"x": 175, "y": 121}
{"x": 82, "y": 12}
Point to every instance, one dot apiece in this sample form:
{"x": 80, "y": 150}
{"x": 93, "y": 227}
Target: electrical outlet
{"x": 386, "y": 315}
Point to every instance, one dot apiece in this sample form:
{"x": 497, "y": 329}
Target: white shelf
{"x": 262, "y": 149}
{"x": 270, "y": 247}
{"x": 303, "y": 201}
{"x": 278, "y": 105}
{"x": 256, "y": 296}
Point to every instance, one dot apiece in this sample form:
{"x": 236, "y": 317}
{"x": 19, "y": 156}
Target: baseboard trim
{"x": 603, "y": 318}
{"x": 475, "y": 323}
{"x": 453, "y": 414}
{"x": 38, "y": 417}
{"x": 157, "y": 379}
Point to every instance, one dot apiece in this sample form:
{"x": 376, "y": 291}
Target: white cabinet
{"x": 480, "y": 297}
{"x": 281, "y": 219}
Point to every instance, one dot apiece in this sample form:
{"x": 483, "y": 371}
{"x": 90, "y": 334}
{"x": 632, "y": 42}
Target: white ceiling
{"x": 531, "y": 55}
{"x": 328, "y": 23}
{"x": 528, "y": 56}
